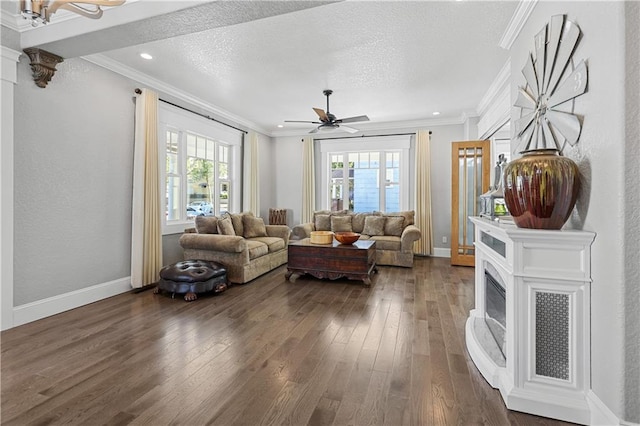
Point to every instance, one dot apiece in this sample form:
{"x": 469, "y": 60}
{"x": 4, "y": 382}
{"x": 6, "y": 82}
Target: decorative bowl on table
{"x": 346, "y": 237}
{"x": 321, "y": 237}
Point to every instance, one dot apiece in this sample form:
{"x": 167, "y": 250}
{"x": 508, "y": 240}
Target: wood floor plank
{"x": 316, "y": 352}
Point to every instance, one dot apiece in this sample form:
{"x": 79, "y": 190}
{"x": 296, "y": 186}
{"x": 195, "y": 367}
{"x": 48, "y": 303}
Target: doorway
{"x": 470, "y": 178}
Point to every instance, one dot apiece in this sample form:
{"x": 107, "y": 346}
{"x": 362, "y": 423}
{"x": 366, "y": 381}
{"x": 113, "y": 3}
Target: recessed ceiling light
{"x": 146, "y": 56}
{"x": 436, "y": 113}
{"x": 281, "y": 125}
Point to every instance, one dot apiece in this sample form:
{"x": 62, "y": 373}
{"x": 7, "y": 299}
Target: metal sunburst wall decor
{"x": 546, "y": 121}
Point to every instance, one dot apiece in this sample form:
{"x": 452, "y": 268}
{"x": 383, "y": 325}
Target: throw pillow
{"x": 393, "y": 226}
{"x": 236, "y": 220}
{"x": 253, "y": 227}
{"x": 206, "y": 224}
{"x": 408, "y": 215}
{"x": 225, "y": 226}
{"x": 357, "y": 221}
{"x": 341, "y": 224}
{"x": 374, "y": 225}
{"x": 323, "y": 222}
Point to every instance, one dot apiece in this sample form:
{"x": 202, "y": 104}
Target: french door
{"x": 470, "y": 174}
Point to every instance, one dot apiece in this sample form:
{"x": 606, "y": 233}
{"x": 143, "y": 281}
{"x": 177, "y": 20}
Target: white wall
{"x": 73, "y": 159}
{"x": 267, "y": 170}
{"x": 632, "y": 213}
{"x": 287, "y": 184}
{"x": 600, "y": 155}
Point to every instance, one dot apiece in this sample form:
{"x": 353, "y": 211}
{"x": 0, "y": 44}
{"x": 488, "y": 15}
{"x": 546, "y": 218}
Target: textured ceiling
{"x": 394, "y": 61}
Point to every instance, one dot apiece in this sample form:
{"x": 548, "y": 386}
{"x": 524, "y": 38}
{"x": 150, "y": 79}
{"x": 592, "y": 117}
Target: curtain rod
{"x": 367, "y": 136}
{"x": 138, "y": 91}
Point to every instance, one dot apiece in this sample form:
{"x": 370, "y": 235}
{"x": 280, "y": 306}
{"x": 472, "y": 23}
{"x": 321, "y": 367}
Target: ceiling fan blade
{"x": 349, "y": 129}
{"x": 352, "y": 119}
{"x": 322, "y": 115}
{"x": 298, "y": 121}
{"x": 315, "y": 130}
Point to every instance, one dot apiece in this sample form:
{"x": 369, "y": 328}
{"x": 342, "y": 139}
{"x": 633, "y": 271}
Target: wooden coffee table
{"x": 355, "y": 261}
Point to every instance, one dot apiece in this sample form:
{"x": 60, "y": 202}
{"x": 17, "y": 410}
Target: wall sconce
{"x": 40, "y": 11}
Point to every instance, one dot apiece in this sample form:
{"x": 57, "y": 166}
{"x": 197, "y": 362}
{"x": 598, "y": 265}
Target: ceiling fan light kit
{"x": 329, "y": 122}
{"x": 40, "y": 11}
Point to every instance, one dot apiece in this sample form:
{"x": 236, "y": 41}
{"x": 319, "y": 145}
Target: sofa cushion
{"x": 273, "y": 243}
{"x": 323, "y": 222}
{"x": 206, "y": 224}
{"x": 225, "y": 226}
{"x": 341, "y": 223}
{"x": 393, "y": 225}
{"x": 374, "y": 225}
{"x": 253, "y": 227}
{"x": 386, "y": 242}
{"x": 256, "y": 249}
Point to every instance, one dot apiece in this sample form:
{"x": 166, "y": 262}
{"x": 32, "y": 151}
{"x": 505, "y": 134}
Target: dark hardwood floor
{"x": 270, "y": 352}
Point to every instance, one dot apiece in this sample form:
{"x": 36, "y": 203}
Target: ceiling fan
{"x": 329, "y": 121}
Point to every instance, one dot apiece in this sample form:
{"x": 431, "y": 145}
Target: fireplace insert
{"x": 495, "y": 308}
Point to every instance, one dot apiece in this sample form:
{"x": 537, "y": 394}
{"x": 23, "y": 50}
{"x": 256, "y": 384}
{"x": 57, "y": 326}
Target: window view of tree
{"x": 205, "y": 177}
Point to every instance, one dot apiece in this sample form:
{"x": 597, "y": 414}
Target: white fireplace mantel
{"x": 547, "y": 278}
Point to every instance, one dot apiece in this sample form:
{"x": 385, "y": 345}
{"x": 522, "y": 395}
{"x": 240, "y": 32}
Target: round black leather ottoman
{"x": 192, "y": 277}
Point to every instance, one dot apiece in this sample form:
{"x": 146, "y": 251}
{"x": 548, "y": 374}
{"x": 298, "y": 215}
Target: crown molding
{"x": 519, "y": 18}
{"x": 495, "y": 89}
{"x": 161, "y": 86}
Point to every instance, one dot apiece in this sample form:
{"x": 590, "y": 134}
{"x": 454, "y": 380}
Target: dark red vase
{"x": 541, "y": 188}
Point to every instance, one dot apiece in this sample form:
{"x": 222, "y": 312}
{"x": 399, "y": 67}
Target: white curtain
{"x": 308, "y": 180}
{"x": 424, "y": 245}
{"x": 146, "y": 232}
{"x": 252, "y": 175}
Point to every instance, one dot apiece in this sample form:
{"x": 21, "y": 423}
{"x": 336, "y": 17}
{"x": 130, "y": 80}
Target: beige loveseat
{"x": 241, "y": 242}
{"x": 394, "y": 233}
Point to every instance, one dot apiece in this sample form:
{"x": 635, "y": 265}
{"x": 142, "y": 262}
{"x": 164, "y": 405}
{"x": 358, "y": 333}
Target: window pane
{"x": 223, "y": 154}
{"x": 366, "y": 185}
{"x": 172, "y": 153}
{"x": 201, "y": 147}
{"x": 374, "y": 160}
{"x": 173, "y": 198}
{"x": 191, "y": 145}
{"x": 223, "y": 170}
{"x": 392, "y": 198}
{"x": 336, "y": 182}
{"x": 210, "y": 150}
{"x": 364, "y": 161}
{"x": 224, "y": 197}
{"x": 199, "y": 187}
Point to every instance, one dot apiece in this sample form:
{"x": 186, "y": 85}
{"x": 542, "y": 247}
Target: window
{"x": 367, "y": 175}
{"x": 201, "y": 168}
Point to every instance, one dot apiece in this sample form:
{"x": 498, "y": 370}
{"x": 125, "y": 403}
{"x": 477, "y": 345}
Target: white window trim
{"x": 172, "y": 118}
{"x": 400, "y": 143}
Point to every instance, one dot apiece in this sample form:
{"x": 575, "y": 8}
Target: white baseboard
{"x": 54, "y": 305}
{"x": 600, "y": 413}
{"x": 441, "y": 252}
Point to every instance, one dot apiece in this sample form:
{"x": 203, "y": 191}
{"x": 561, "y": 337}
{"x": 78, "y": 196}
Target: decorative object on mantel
{"x": 43, "y": 65}
{"x": 492, "y": 204}
{"x": 40, "y": 11}
{"x": 541, "y": 187}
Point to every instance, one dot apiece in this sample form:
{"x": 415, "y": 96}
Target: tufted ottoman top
{"x": 192, "y": 271}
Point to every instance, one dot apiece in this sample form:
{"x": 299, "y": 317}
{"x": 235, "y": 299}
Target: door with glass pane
{"x": 470, "y": 174}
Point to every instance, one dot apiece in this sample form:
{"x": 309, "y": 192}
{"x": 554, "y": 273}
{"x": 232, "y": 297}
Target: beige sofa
{"x": 241, "y": 242}
{"x": 394, "y": 233}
